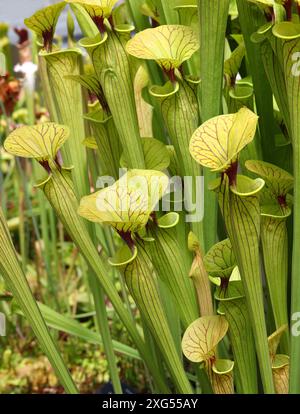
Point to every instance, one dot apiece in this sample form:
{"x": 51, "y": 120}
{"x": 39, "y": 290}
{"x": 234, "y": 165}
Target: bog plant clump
{"x": 159, "y": 150}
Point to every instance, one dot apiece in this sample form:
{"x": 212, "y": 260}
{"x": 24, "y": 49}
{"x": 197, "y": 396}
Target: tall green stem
{"x": 179, "y": 108}
{"x": 213, "y": 16}
{"x": 233, "y": 305}
{"x": 275, "y": 248}
{"x": 241, "y": 212}
{"x": 112, "y": 67}
{"x": 288, "y": 46}
{"x": 251, "y": 18}
{"x": 142, "y": 283}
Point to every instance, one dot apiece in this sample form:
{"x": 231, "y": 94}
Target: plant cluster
{"x": 151, "y": 98}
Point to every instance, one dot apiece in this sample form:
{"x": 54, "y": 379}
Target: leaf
{"x": 278, "y": 180}
{"x": 169, "y": 263}
{"x": 233, "y": 64}
{"x": 144, "y": 110}
{"x": 234, "y": 277}
{"x": 274, "y": 340}
{"x": 168, "y": 45}
{"x": 71, "y": 326}
{"x": 107, "y": 141}
{"x": 270, "y": 207}
{"x": 233, "y": 291}
{"x": 96, "y": 8}
{"x": 245, "y": 186}
{"x": 280, "y": 363}
{"x": 213, "y": 19}
{"x": 285, "y": 52}
{"x": 274, "y": 238}
{"x": 59, "y": 191}
{"x": 92, "y": 84}
{"x": 217, "y": 142}
{"x": 222, "y": 376}
{"x": 233, "y": 306}
{"x": 128, "y": 203}
{"x": 41, "y": 141}
{"x": 142, "y": 284}
{"x": 286, "y": 30}
{"x": 188, "y": 13}
{"x": 113, "y": 69}
{"x": 200, "y": 279}
{"x": 90, "y": 142}
{"x": 68, "y": 101}
{"x": 241, "y": 212}
{"x": 85, "y": 23}
{"x": 121, "y": 15}
{"x": 16, "y": 282}
{"x": 281, "y": 371}
{"x": 202, "y": 336}
{"x": 276, "y": 77}
{"x": 179, "y": 108}
{"x": 150, "y": 9}
{"x": 219, "y": 261}
{"x": 156, "y": 155}
{"x": 44, "y": 22}
{"x": 193, "y": 242}
{"x": 174, "y": 167}
{"x": 251, "y": 19}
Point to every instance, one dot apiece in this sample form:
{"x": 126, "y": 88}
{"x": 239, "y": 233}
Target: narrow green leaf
{"x": 140, "y": 20}
{"x": 72, "y": 327}
{"x": 85, "y": 23}
{"x": 18, "y": 285}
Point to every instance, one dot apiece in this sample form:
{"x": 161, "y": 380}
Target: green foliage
{"x": 98, "y": 244}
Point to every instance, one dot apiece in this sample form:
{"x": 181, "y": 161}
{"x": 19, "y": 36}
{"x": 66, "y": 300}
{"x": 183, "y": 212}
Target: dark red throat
{"x": 288, "y": 8}
{"x": 231, "y": 173}
{"x": 48, "y": 40}
{"x": 99, "y": 22}
{"x": 282, "y": 200}
{"x": 126, "y": 236}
